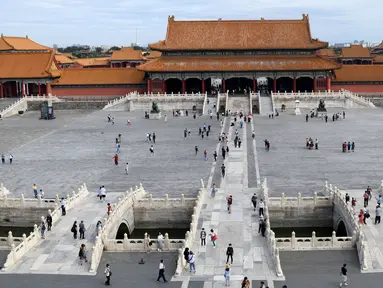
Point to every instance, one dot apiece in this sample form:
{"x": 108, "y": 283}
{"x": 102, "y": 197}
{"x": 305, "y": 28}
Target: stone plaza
{"x": 291, "y": 168}
{"x": 78, "y": 147}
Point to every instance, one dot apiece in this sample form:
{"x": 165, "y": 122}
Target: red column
{"x": 328, "y": 83}
{"x": 150, "y": 89}
{"x": 183, "y": 86}
{"x": 163, "y": 86}
{"x": 203, "y": 85}
{"x": 39, "y": 88}
{"x": 294, "y": 84}
{"x": 22, "y": 89}
{"x": 315, "y": 84}
{"x": 275, "y": 85}
{"x": 223, "y": 85}
{"x": 255, "y": 84}
{"x": 1, "y": 90}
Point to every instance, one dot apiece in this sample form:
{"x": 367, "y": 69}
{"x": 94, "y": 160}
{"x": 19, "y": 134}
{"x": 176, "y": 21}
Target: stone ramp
{"x": 210, "y": 106}
{"x": 265, "y": 105}
{"x": 58, "y": 252}
{"x": 373, "y": 233}
{"x": 240, "y": 228}
{"x": 239, "y": 103}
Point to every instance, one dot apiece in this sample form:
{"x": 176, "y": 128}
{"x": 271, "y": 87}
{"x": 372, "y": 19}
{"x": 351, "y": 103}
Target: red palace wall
{"x": 113, "y": 91}
{"x": 358, "y": 88}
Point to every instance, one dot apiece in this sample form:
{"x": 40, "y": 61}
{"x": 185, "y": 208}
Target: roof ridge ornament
{"x": 305, "y": 17}
{"x": 171, "y": 18}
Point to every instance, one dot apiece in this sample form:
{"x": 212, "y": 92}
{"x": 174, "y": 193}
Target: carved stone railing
{"x": 28, "y": 242}
{"x": 315, "y": 243}
{"x": 119, "y": 100}
{"x": 299, "y": 201}
{"x": 10, "y": 110}
{"x": 204, "y": 103}
{"x": 139, "y": 245}
{"x": 218, "y": 102}
{"x": 270, "y": 235}
{"x": 165, "y": 202}
{"x": 124, "y": 203}
{"x": 227, "y": 102}
{"x": 41, "y": 97}
{"x": 191, "y": 234}
{"x": 352, "y": 220}
{"x": 358, "y": 99}
{"x": 272, "y": 103}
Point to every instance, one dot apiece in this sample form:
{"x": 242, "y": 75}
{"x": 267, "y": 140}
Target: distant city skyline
{"x": 99, "y": 22}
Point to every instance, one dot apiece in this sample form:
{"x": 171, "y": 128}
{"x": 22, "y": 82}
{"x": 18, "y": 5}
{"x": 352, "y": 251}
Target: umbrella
{"x": 250, "y": 116}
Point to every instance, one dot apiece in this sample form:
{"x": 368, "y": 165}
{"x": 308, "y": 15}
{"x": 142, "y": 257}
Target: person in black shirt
{"x": 229, "y": 253}
{"x": 203, "y": 237}
{"x": 344, "y": 276}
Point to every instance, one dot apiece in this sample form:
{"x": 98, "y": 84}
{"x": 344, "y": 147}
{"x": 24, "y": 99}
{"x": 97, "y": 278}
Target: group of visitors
{"x": 310, "y": 143}
{"x": 37, "y": 193}
{"x": 348, "y": 146}
{"x": 3, "y": 158}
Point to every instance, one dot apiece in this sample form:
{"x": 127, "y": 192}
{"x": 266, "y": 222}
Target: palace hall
{"x": 237, "y": 54}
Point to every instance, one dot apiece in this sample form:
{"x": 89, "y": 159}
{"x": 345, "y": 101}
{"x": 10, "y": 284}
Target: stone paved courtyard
{"x": 291, "y": 168}
{"x": 78, "y": 147}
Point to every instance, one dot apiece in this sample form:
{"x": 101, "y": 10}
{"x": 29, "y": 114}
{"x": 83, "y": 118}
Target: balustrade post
{"x": 315, "y": 198}
{"x": 354, "y": 237}
{"x": 313, "y": 239}
{"x": 25, "y": 242}
{"x": 187, "y": 238}
{"x": 5, "y": 200}
{"x": 333, "y": 239}
{"x": 330, "y": 188}
{"x": 142, "y": 189}
{"x": 202, "y": 184}
{"x": 2, "y": 190}
{"x": 57, "y": 199}
{"x": 182, "y": 200}
{"x": 278, "y": 263}
{"x": 283, "y": 200}
{"x": 299, "y": 199}
{"x": 126, "y": 242}
{"x": 166, "y": 200}
{"x": 136, "y": 189}
{"x": 293, "y": 240}
{"x": 22, "y": 200}
{"x": 331, "y": 198}
{"x": 167, "y": 242}
{"x": 150, "y": 200}
{"x": 39, "y": 200}
{"x": 10, "y": 238}
{"x": 364, "y": 266}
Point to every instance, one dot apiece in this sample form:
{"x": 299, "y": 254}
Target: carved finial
{"x": 26, "y": 36}
{"x": 171, "y": 18}
{"x": 262, "y": 18}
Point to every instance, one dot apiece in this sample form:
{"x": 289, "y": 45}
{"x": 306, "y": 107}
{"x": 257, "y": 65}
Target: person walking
{"x": 365, "y": 198}
{"x": 118, "y": 148}
{"x": 254, "y": 201}
{"x": 127, "y": 168}
{"x": 215, "y": 156}
{"x": 35, "y": 192}
{"x": 202, "y": 236}
{"x": 103, "y": 193}
{"x": 42, "y": 229}
{"x": 192, "y": 262}
{"x": 378, "y": 213}
{"x": 352, "y": 146}
{"x": 213, "y": 190}
{"x": 227, "y": 151}
{"x": 239, "y": 142}
{"x": 82, "y": 229}
{"x": 109, "y": 209}
{"x": 74, "y": 230}
{"x": 151, "y": 149}
{"x": 343, "y": 276}
{"x": 223, "y": 169}
{"x": 115, "y": 157}
{"x": 10, "y": 158}
{"x": 82, "y": 254}
{"x": 213, "y": 237}
{"x": 261, "y": 207}
{"x": 63, "y": 206}
{"x": 154, "y": 138}
{"x": 2, "y": 158}
{"x": 316, "y": 144}
{"x": 361, "y": 217}
{"x": 227, "y": 275}
{"x": 49, "y": 222}
{"x": 161, "y": 271}
{"x": 196, "y": 150}
{"x": 205, "y": 155}
{"x": 108, "y": 274}
{"x": 223, "y": 151}
{"x": 229, "y": 203}
{"x": 245, "y": 283}
{"x": 229, "y": 253}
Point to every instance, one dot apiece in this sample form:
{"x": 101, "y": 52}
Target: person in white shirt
{"x": 192, "y": 262}
{"x": 160, "y": 241}
{"x": 261, "y": 207}
{"x": 10, "y": 158}
{"x": 127, "y": 168}
{"x": 103, "y": 193}
{"x": 63, "y": 206}
{"x": 42, "y": 193}
{"x": 161, "y": 271}
{"x": 108, "y": 274}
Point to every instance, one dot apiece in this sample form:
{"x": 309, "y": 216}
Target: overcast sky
{"x": 115, "y": 22}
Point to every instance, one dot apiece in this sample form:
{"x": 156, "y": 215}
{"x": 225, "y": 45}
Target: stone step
{"x": 257, "y": 254}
